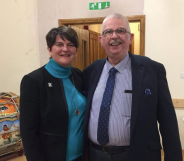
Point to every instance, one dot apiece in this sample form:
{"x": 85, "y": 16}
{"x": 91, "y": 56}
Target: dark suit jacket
{"x": 44, "y": 115}
{"x": 145, "y": 142}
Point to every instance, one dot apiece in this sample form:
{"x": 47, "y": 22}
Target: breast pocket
{"x": 149, "y": 96}
{"x": 150, "y": 100}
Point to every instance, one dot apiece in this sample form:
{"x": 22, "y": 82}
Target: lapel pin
{"x": 50, "y": 84}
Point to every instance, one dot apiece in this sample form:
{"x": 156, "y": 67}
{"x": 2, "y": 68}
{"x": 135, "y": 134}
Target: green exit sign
{"x": 99, "y": 5}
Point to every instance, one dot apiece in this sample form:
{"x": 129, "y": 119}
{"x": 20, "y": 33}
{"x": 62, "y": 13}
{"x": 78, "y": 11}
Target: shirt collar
{"x": 120, "y": 66}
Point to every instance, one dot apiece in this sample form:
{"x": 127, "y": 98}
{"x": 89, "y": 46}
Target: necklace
{"x": 77, "y": 112}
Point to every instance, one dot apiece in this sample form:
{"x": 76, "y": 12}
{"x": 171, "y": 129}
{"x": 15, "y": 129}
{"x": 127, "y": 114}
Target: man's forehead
{"x": 114, "y": 22}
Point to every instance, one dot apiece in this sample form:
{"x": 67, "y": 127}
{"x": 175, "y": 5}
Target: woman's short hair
{"x": 64, "y": 32}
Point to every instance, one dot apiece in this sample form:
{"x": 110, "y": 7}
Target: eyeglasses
{"x": 119, "y": 31}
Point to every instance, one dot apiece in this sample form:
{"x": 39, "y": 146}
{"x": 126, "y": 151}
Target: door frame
{"x": 99, "y": 20}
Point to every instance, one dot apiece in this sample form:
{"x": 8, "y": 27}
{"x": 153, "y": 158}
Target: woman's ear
{"x": 50, "y": 53}
{"x": 48, "y": 48}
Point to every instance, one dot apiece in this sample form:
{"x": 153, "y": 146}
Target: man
{"x": 121, "y": 117}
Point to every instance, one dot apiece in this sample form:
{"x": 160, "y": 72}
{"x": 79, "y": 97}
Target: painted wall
{"x": 18, "y": 42}
{"x": 25, "y": 23}
{"x": 164, "y": 43}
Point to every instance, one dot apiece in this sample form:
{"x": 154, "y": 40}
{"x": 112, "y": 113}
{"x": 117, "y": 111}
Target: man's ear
{"x": 100, "y": 39}
{"x": 131, "y": 38}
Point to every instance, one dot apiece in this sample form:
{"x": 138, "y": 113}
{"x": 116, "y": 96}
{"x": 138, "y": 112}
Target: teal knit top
{"x": 74, "y": 100}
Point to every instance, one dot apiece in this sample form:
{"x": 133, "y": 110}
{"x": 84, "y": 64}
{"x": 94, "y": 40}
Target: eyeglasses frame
{"x": 115, "y": 31}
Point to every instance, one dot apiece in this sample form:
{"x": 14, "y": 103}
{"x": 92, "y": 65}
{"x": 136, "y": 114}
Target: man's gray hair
{"x": 115, "y": 15}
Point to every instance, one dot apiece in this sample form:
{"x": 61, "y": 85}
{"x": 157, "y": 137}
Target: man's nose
{"x": 114, "y": 35}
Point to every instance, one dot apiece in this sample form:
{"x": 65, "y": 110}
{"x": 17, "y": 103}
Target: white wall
{"x": 164, "y": 39}
{"x": 164, "y": 43}
{"x": 18, "y": 42}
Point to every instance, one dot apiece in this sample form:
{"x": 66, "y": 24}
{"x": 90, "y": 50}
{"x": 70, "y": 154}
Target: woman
{"x": 52, "y": 103}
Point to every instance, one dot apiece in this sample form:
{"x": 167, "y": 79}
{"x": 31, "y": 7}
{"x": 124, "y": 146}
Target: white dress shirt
{"x": 121, "y": 103}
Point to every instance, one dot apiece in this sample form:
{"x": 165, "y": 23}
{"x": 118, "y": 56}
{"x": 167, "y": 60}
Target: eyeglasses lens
{"x": 118, "y": 31}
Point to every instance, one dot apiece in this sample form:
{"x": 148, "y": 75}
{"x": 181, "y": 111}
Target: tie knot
{"x": 113, "y": 71}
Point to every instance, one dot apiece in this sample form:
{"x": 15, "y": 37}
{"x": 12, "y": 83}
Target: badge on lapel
{"x": 50, "y": 84}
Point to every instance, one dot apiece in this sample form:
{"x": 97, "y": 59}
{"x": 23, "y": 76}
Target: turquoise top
{"x": 74, "y": 99}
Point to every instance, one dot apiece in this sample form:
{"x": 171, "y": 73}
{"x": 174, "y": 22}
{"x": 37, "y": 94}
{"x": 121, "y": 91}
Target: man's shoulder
{"x": 95, "y": 65}
{"x": 145, "y": 61}
{"x": 98, "y": 62}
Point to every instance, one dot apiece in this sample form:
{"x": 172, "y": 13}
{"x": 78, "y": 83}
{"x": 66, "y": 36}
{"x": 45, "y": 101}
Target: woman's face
{"x": 63, "y": 52}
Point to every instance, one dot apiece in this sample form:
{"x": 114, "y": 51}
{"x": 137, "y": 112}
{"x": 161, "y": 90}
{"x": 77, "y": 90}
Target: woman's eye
{"x": 59, "y": 44}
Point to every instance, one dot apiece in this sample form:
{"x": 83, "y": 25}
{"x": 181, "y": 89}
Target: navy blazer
{"x": 147, "y": 110}
{"x": 44, "y": 115}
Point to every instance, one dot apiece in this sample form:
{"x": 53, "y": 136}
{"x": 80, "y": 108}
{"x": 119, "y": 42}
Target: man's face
{"x": 116, "y": 46}
{"x": 63, "y": 52}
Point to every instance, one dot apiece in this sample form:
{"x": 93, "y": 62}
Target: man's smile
{"x": 115, "y": 42}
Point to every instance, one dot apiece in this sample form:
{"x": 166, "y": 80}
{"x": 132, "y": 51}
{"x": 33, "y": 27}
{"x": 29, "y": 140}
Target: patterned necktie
{"x": 103, "y": 121}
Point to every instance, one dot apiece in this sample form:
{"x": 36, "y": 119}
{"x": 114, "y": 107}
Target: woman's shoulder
{"x": 37, "y": 74}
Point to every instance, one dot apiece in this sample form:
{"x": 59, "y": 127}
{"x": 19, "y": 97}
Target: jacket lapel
{"x": 137, "y": 81}
{"x": 94, "y": 78}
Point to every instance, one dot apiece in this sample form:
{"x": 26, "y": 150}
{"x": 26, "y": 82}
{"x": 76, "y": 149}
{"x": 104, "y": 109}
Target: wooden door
{"x": 89, "y": 48}
{"x": 101, "y": 52}
{"x": 82, "y": 59}
{"x": 96, "y": 50}
{"x": 94, "y": 45}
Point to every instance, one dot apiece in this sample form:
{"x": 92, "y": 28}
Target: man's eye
{"x": 109, "y": 32}
{"x": 120, "y": 31}
{"x": 70, "y": 45}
